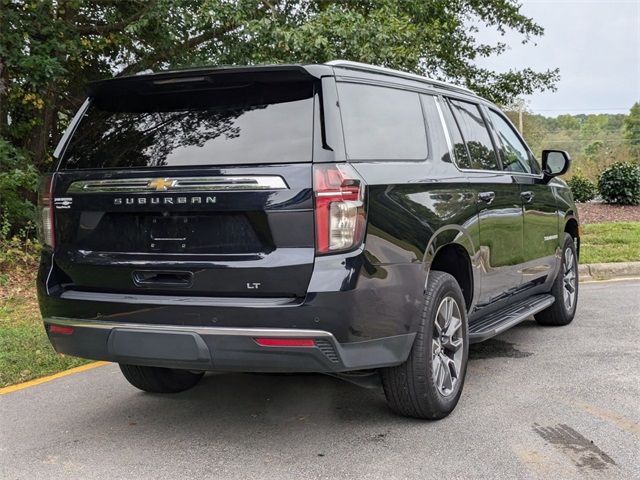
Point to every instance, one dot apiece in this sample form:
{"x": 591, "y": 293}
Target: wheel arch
{"x": 572, "y": 227}
{"x": 452, "y": 250}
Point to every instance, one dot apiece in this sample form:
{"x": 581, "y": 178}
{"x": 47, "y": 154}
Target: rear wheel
{"x": 160, "y": 380}
{"x": 565, "y": 289}
{"x": 429, "y": 384}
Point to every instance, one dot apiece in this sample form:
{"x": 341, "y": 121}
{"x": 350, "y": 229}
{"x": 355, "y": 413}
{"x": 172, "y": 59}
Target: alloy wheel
{"x": 569, "y": 280}
{"x": 447, "y": 346}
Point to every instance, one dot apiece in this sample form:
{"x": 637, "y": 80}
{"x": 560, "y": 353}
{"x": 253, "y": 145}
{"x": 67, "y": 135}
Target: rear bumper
{"x": 223, "y": 349}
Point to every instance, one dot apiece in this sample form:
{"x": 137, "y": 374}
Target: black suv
{"x": 338, "y": 218}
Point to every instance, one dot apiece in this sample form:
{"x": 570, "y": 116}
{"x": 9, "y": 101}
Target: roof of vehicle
{"x": 365, "y": 67}
{"x": 283, "y": 72}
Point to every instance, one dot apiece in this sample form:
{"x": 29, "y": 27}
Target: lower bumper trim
{"x": 246, "y": 332}
{"x": 223, "y": 348}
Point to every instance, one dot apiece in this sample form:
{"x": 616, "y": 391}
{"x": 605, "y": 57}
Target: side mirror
{"x": 555, "y": 163}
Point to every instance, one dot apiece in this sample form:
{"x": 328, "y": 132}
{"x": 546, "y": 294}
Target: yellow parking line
{"x": 621, "y": 421}
{"x": 38, "y": 381}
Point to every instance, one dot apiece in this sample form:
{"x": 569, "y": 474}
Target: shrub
{"x": 582, "y": 188}
{"x": 17, "y": 252}
{"x": 18, "y": 184}
{"x": 620, "y": 183}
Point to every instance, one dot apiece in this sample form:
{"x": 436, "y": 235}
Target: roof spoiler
{"x": 148, "y": 82}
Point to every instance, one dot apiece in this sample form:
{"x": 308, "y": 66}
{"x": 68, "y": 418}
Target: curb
{"x": 606, "y": 271}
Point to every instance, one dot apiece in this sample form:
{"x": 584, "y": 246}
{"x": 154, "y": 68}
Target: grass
{"x": 610, "y": 242}
{"x": 25, "y": 351}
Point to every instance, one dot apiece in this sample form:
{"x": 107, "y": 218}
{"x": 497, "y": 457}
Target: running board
{"x": 497, "y": 322}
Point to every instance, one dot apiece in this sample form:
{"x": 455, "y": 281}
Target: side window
{"x": 438, "y": 145}
{"x": 459, "y": 149}
{"x": 382, "y": 123}
{"x": 481, "y": 154}
{"x": 515, "y": 155}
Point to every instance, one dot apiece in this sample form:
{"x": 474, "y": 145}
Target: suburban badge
{"x": 169, "y": 200}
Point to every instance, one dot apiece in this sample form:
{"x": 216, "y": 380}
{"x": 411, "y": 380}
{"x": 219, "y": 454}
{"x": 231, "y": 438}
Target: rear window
{"x": 382, "y": 123}
{"x": 239, "y": 124}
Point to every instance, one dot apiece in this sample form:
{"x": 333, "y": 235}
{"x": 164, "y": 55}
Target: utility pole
{"x": 520, "y": 112}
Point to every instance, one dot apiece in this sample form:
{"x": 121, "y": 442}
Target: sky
{"x": 596, "y": 45}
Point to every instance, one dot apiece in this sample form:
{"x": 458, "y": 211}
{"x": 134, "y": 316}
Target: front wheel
{"x": 565, "y": 289}
{"x": 429, "y": 384}
{"x": 160, "y": 380}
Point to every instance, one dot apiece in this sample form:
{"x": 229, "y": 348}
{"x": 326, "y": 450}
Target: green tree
{"x": 593, "y": 149}
{"x": 632, "y": 130}
{"x": 594, "y": 141}
{"x": 568, "y": 122}
{"x": 50, "y": 49}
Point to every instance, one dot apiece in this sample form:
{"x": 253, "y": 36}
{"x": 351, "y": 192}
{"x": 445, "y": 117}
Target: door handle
{"x": 486, "y": 197}
{"x": 527, "y": 196}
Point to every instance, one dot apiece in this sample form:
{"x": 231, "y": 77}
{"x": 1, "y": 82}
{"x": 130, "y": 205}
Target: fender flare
{"x": 436, "y": 243}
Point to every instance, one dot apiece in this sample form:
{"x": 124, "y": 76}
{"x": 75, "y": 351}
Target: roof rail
{"x": 395, "y": 73}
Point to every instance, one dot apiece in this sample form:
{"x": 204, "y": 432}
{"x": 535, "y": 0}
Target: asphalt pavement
{"x": 538, "y": 402}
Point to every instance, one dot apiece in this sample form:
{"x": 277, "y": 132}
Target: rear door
{"x": 541, "y": 219}
{"x": 191, "y": 186}
{"x": 498, "y": 201}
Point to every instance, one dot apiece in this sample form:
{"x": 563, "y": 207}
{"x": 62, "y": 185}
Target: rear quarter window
{"x": 382, "y": 123}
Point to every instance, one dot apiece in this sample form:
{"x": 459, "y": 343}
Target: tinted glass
{"x": 459, "y": 148}
{"x": 251, "y": 123}
{"x": 482, "y": 156}
{"x": 438, "y": 145}
{"x": 382, "y": 123}
{"x": 515, "y": 156}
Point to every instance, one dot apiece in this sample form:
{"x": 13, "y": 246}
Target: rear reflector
{"x": 60, "y": 329}
{"x": 285, "y": 342}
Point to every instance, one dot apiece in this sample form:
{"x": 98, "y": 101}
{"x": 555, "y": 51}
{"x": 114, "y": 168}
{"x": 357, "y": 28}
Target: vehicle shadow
{"x": 263, "y": 407}
{"x": 250, "y": 409}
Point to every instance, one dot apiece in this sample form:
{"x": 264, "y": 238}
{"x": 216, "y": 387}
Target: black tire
{"x": 160, "y": 380}
{"x": 559, "y": 313}
{"x": 411, "y": 388}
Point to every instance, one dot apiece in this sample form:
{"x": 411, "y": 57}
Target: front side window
{"x": 481, "y": 154}
{"x": 515, "y": 155}
{"x": 382, "y": 123}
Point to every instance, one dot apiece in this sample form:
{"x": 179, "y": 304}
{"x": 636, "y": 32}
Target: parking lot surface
{"x": 538, "y": 403}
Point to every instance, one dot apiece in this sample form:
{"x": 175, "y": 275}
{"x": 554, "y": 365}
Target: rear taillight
{"x": 339, "y": 208}
{"x": 45, "y": 211}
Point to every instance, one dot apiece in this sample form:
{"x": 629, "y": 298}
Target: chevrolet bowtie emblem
{"x": 161, "y": 184}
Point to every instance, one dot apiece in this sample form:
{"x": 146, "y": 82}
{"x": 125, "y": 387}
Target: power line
{"x": 580, "y": 109}
{"x": 611, "y": 142}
